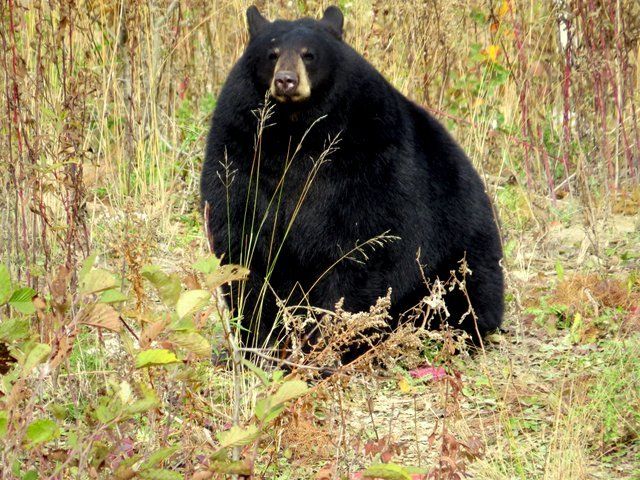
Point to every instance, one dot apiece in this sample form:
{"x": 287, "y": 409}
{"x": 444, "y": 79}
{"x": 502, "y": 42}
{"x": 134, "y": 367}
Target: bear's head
{"x": 293, "y": 60}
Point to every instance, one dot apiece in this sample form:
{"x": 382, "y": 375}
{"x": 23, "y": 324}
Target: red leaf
{"x": 386, "y": 456}
{"x": 436, "y": 372}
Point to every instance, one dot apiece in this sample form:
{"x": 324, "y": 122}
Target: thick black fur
{"x": 395, "y": 170}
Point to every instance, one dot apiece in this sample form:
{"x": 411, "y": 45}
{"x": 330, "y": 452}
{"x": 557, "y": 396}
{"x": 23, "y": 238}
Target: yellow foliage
{"x": 404, "y": 386}
{"x": 491, "y": 53}
{"x": 505, "y": 7}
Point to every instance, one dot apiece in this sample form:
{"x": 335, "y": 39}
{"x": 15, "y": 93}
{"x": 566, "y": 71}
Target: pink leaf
{"x": 436, "y": 372}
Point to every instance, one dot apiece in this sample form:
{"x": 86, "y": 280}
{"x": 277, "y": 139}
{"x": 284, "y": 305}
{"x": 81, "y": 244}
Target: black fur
{"x": 395, "y": 170}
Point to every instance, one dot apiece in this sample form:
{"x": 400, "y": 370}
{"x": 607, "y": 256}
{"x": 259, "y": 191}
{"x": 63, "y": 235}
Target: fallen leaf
{"x": 151, "y": 332}
{"x": 325, "y": 473}
{"x": 101, "y": 315}
{"x": 436, "y": 372}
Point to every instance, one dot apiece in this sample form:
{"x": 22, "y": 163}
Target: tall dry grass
{"x": 105, "y": 104}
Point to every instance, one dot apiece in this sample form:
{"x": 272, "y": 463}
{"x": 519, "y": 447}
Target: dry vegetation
{"x": 106, "y": 358}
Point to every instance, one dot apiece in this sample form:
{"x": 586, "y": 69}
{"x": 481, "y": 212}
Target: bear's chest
{"x": 315, "y": 207}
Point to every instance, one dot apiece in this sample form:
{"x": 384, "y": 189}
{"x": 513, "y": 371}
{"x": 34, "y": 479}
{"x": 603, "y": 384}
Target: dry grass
{"x": 104, "y": 109}
{"x": 108, "y": 102}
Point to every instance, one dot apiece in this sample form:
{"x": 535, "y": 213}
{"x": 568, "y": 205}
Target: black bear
{"x": 312, "y": 152}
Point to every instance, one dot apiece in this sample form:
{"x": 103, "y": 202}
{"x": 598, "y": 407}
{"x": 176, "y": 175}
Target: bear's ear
{"x": 255, "y": 20}
{"x": 333, "y": 19}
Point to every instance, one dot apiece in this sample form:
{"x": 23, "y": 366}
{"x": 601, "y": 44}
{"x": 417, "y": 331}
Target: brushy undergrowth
{"x": 116, "y": 359}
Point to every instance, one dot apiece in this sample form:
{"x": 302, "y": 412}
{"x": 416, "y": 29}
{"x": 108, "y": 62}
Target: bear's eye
{"x": 307, "y": 56}
{"x": 273, "y": 55}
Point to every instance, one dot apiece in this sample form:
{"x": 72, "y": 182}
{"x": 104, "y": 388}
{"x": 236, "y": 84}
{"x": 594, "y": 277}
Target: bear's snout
{"x": 286, "y": 83}
{"x": 290, "y": 81}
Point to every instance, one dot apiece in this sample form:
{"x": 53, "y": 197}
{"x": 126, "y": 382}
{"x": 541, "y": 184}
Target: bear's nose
{"x": 286, "y": 82}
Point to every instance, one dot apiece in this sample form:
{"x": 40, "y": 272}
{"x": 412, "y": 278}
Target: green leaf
{"x": 108, "y": 408}
{"x": 72, "y": 439}
{"x": 238, "y": 436}
{"x": 159, "y": 474}
{"x": 22, "y": 300}
{"x": 14, "y": 329}
{"x": 266, "y": 411}
{"x": 104, "y": 413}
{"x": 478, "y": 16}
{"x": 240, "y": 467}
{"x": 192, "y": 342}
{"x": 559, "y": 270}
{"x": 8, "y": 379}
{"x": 220, "y": 455}
{"x": 158, "y": 456}
{"x": 5, "y": 284}
{"x": 207, "y": 264}
{"x": 30, "y": 475}
{"x": 160, "y": 356}
{"x": 145, "y": 404}
{"x": 168, "y": 286}
{"x": 4, "y": 423}
{"x": 576, "y": 330}
{"x": 37, "y": 354}
{"x": 268, "y": 408}
{"x": 87, "y": 265}
{"x": 41, "y": 431}
{"x": 190, "y": 301}
{"x": 290, "y": 390}
{"x": 124, "y": 469}
{"x": 257, "y": 371}
{"x": 182, "y": 324}
{"x": 99, "y": 452}
{"x": 112, "y": 296}
{"x": 96, "y": 281}
{"x": 387, "y": 471}
{"x": 58, "y": 411}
